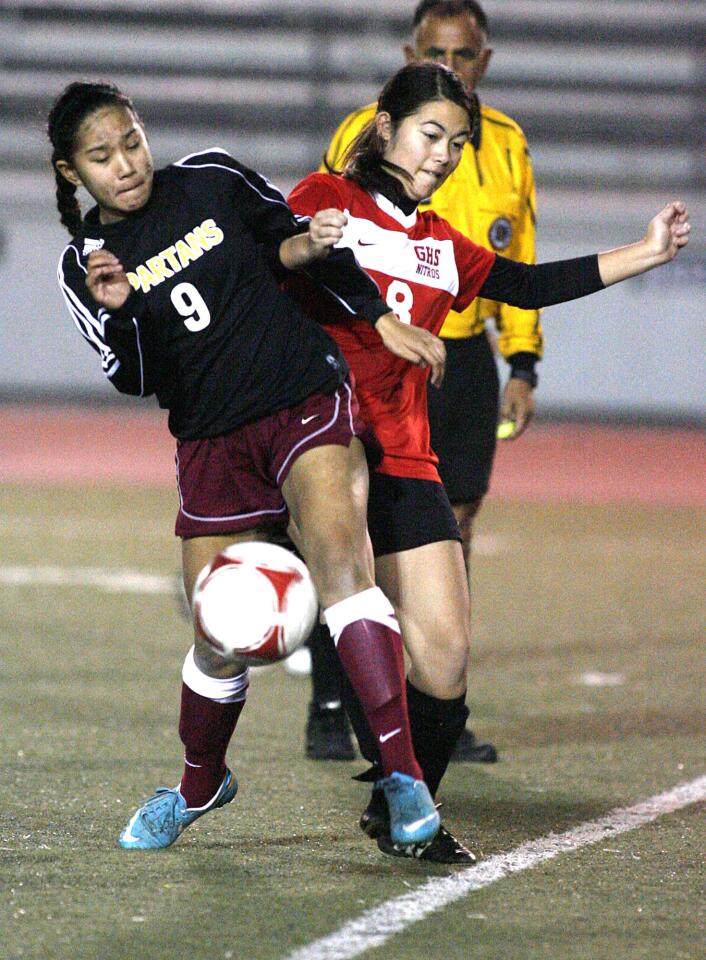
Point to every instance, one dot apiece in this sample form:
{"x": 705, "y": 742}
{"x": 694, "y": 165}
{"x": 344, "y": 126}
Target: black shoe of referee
{"x": 375, "y": 819}
{"x": 469, "y": 750}
{"x": 328, "y": 735}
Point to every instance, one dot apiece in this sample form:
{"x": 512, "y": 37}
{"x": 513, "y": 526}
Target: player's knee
{"x": 339, "y": 565}
{"x": 459, "y": 656}
{"x": 447, "y": 656}
{"x": 212, "y": 664}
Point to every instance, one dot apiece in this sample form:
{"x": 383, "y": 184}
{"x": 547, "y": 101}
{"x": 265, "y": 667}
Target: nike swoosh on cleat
{"x": 386, "y": 736}
{"x": 420, "y": 823}
{"x": 128, "y": 835}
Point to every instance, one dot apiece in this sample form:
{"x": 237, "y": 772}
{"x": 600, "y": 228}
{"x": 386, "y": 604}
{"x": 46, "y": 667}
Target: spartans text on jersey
{"x": 177, "y": 256}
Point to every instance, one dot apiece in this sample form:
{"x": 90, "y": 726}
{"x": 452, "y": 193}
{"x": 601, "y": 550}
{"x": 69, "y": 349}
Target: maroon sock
{"x": 371, "y": 654}
{"x": 205, "y": 728}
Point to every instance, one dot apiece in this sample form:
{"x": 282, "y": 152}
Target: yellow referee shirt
{"x": 490, "y": 198}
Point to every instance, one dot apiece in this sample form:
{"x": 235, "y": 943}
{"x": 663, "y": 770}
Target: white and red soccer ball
{"x": 255, "y": 600}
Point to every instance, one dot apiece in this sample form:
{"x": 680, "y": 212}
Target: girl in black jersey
{"x": 424, "y": 267}
{"x": 173, "y": 279}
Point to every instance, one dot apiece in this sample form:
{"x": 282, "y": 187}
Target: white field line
{"x": 375, "y": 926}
{"x": 112, "y": 581}
{"x": 594, "y": 679}
{"x": 69, "y": 529}
{"x": 81, "y": 527}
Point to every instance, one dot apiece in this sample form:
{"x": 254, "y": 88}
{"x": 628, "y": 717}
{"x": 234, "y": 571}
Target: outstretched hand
{"x": 666, "y": 234}
{"x": 669, "y": 231}
{"x": 415, "y": 344}
{"x": 106, "y": 280}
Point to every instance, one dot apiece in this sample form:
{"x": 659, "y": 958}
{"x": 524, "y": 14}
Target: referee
{"x": 491, "y": 199}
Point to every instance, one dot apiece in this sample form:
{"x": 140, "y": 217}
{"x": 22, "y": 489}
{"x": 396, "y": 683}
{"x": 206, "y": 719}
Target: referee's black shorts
{"x": 404, "y": 513}
{"x": 463, "y": 416}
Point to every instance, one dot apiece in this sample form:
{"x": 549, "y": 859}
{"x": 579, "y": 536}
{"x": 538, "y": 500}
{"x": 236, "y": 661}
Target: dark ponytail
{"x": 408, "y": 90}
{"x": 67, "y": 202}
{"x": 78, "y": 101}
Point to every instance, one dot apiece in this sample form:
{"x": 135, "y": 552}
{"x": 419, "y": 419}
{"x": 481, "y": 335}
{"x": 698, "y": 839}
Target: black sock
{"x": 326, "y": 670}
{"x": 436, "y": 726}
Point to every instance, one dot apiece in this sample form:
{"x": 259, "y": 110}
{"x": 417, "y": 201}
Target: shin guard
{"x": 210, "y": 709}
{"x": 367, "y": 637}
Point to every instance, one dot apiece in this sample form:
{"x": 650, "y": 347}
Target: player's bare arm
{"x": 666, "y": 234}
{"x": 106, "y": 280}
{"x": 415, "y": 344}
{"x": 325, "y": 230}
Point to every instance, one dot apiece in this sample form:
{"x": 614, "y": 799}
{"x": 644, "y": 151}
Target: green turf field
{"x": 88, "y": 711}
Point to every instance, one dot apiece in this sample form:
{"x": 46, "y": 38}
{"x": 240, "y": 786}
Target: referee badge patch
{"x": 500, "y": 233}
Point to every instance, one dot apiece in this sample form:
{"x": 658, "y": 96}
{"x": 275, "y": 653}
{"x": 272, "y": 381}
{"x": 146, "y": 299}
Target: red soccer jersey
{"x": 424, "y": 268}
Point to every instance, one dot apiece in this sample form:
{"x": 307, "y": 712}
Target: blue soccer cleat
{"x": 159, "y": 822}
{"x": 413, "y": 815}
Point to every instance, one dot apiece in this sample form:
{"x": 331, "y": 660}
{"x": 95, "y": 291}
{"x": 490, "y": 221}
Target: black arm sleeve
{"x": 531, "y": 286}
{"x": 340, "y": 274}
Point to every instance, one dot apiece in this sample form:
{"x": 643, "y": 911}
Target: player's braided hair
{"x": 76, "y": 102}
{"x": 408, "y": 90}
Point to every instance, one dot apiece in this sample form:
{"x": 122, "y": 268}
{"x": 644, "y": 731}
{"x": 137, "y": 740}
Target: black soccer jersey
{"x": 206, "y": 327}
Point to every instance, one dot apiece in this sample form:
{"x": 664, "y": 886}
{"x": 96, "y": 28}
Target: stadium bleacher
{"x": 609, "y": 92}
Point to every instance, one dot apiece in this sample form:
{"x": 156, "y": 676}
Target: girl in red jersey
{"x": 173, "y": 279}
{"x": 423, "y": 268}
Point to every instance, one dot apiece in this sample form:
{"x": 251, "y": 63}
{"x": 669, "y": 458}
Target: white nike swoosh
{"x": 386, "y": 736}
{"x": 127, "y": 832}
{"x": 312, "y": 417}
{"x": 420, "y": 823}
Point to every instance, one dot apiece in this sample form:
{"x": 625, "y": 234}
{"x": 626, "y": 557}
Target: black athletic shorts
{"x": 404, "y": 513}
{"x": 463, "y": 416}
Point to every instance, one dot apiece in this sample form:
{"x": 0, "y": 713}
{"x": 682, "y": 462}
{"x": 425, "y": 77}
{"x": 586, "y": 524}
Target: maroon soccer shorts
{"x": 234, "y": 482}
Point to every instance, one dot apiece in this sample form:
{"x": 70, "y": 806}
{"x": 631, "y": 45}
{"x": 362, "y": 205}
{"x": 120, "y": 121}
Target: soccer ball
{"x": 255, "y": 600}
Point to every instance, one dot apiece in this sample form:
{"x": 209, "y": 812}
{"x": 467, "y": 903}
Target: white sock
{"x": 370, "y": 604}
{"x": 230, "y": 690}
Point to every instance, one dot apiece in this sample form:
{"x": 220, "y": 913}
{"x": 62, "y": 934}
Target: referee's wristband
{"x": 529, "y": 376}
{"x": 522, "y": 367}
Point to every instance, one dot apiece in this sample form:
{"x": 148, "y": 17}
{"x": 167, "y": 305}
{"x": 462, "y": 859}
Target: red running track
{"x": 580, "y": 463}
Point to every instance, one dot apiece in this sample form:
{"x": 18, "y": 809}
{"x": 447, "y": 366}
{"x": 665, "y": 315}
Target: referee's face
{"x": 112, "y": 160}
{"x": 457, "y": 42}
